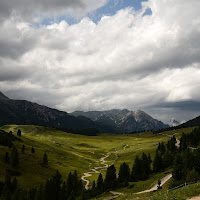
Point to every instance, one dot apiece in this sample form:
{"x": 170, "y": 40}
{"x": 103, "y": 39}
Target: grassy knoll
{"x": 67, "y": 152}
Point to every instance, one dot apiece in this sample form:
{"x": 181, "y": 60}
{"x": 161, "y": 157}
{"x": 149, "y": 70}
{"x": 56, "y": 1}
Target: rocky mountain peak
{"x": 3, "y": 97}
{"x": 173, "y": 122}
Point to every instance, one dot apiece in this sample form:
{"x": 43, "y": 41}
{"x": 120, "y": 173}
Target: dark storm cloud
{"x": 182, "y": 105}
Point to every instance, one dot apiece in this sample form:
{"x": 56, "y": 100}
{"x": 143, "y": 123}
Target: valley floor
{"x": 89, "y": 155}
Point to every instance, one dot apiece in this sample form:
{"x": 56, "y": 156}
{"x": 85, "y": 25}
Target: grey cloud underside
{"x": 29, "y": 9}
{"x": 182, "y": 105}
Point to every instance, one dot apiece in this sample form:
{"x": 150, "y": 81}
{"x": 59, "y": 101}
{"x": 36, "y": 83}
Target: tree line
{"x": 184, "y": 161}
{"x": 186, "y": 166}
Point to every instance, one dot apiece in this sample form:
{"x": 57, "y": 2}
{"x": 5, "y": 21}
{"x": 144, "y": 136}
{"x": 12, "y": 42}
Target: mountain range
{"x": 126, "y": 120}
{"x": 88, "y": 123}
{"x": 27, "y": 113}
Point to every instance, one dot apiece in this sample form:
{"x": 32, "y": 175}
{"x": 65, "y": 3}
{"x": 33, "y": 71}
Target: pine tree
{"x": 177, "y": 172}
{"x": 72, "y": 196}
{"x": 157, "y": 163}
{"x": 40, "y": 193}
{"x": 162, "y": 148}
{"x": 145, "y": 167}
{"x": 110, "y": 179}
{"x": 14, "y": 184}
{"x": 93, "y": 185}
{"x": 136, "y": 170}
{"x": 124, "y": 173}
{"x": 57, "y": 181}
{"x": 6, "y": 157}
{"x": 167, "y": 159}
{"x": 69, "y": 185}
{"x": 100, "y": 181}
{"x": 19, "y": 133}
{"x": 23, "y": 148}
{"x": 32, "y": 150}
{"x": 45, "y": 160}
{"x": 14, "y": 157}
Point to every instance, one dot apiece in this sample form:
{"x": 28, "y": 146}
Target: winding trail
{"x": 95, "y": 170}
{"x": 163, "y": 181}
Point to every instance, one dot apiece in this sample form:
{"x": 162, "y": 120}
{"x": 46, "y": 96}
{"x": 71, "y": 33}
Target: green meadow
{"x": 68, "y": 152}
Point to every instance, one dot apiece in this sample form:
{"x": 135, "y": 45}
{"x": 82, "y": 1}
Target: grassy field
{"x": 68, "y": 152}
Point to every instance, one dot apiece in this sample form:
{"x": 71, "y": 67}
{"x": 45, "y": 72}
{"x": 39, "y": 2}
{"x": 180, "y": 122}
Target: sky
{"x": 103, "y": 54}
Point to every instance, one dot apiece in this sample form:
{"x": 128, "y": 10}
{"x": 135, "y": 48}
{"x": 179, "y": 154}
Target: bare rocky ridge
{"x": 127, "y": 121}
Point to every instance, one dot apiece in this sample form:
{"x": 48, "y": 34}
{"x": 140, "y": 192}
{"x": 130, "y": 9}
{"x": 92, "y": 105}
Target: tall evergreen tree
{"x": 100, "y": 181}
{"x": 136, "y": 170}
{"x": 23, "y": 148}
{"x": 19, "y": 133}
{"x": 93, "y": 185}
{"x": 110, "y": 179}
{"x": 6, "y": 157}
{"x": 14, "y": 157}
{"x": 177, "y": 172}
{"x": 167, "y": 159}
{"x": 157, "y": 163}
{"x": 14, "y": 184}
{"x": 45, "y": 160}
{"x": 32, "y": 150}
{"x": 124, "y": 173}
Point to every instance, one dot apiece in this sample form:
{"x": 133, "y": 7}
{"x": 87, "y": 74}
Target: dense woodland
{"x": 184, "y": 161}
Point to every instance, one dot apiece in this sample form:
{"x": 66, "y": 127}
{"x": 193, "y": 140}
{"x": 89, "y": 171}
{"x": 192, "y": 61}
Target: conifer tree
{"x": 177, "y": 172}
{"x": 162, "y": 148}
{"x": 100, "y": 181}
{"x": 45, "y": 160}
{"x": 32, "y": 150}
{"x": 6, "y": 157}
{"x": 69, "y": 184}
{"x": 124, "y": 173}
{"x": 110, "y": 179}
{"x": 136, "y": 170}
{"x": 167, "y": 159}
{"x": 19, "y": 133}
{"x": 14, "y": 157}
{"x": 40, "y": 193}
{"x": 157, "y": 163}
{"x": 72, "y": 196}
{"x": 14, "y": 184}
{"x": 23, "y": 148}
{"x": 93, "y": 185}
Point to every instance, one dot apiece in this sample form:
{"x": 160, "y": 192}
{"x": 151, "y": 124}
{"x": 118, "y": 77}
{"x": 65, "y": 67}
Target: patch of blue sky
{"x": 108, "y": 9}
{"x": 112, "y": 7}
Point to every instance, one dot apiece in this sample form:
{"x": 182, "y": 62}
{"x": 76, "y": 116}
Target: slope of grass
{"x": 68, "y": 152}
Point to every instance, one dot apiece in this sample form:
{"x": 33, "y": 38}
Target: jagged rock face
{"x": 128, "y": 121}
{"x": 173, "y": 122}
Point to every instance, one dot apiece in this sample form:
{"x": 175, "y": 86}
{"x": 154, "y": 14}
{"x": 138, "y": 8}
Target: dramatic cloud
{"x": 33, "y": 10}
{"x": 129, "y": 60}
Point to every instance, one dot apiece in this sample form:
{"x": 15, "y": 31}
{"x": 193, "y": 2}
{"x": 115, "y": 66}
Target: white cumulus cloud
{"x": 124, "y": 61}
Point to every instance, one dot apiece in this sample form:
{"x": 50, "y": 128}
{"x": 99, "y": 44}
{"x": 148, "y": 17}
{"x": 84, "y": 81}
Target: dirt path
{"x": 95, "y": 170}
{"x": 114, "y": 195}
{"x": 163, "y": 181}
{"x": 177, "y": 140}
{"x": 195, "y": 198}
